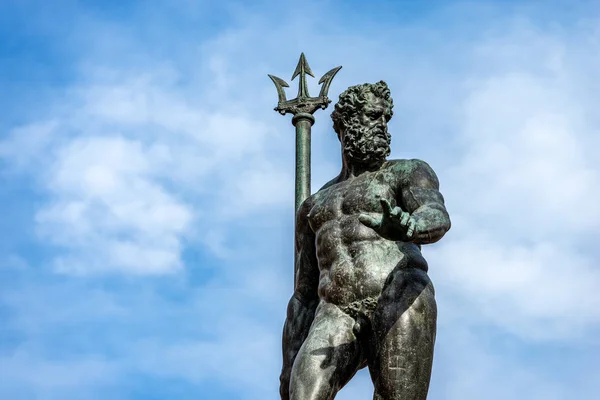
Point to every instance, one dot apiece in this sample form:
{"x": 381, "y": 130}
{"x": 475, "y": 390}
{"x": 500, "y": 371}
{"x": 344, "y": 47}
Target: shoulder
{"x": 330, "y": 183}
{"x": 413, "y": 172}
{"x": 408, "y": 166}
{"x": 305, "y": 208}
{"x": 307, "y": 205}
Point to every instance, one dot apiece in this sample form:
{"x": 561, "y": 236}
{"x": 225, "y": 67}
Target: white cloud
{"x": 536, "y": 292}
{"x": 521, "y": 195}
{"x": 133, "y": 166}
{"x": 525, "y": 143}
{"x": 26, "y": 144}
{"x": 109, "y": 211}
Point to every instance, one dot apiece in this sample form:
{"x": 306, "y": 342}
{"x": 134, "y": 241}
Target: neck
{"x": 352, "y": 169}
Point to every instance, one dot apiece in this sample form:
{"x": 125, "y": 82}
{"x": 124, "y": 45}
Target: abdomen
{"x": 355, "y": 262}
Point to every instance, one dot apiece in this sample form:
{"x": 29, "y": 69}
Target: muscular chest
{"x": 352, "y": 197}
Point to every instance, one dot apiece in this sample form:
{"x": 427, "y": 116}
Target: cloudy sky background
{"x": 147, "y": 189}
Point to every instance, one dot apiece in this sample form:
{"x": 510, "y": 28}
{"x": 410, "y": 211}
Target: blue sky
{"x": 147, "y": 189}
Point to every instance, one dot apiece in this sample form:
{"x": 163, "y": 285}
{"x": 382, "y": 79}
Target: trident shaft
{"x": 303, "y": 108}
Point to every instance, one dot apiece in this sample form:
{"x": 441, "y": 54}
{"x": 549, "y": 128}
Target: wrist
{"x": 396, "y": 233}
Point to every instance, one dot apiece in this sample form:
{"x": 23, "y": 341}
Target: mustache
{"x": 378, "y": 128}
{"x": 379, "y": 131}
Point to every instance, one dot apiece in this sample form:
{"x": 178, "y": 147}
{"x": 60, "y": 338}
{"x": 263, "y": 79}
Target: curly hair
{"x": 352, "y": 101}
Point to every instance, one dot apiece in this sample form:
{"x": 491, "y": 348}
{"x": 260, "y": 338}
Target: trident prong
{"x": 279, "y": 84}
{"x": 326, "y": 81}
{"x": 302, "y": 69}
{"x": 303, "y": 103}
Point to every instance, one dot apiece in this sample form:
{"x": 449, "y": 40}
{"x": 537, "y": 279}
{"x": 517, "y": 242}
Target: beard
{"x": 366, "y": 146}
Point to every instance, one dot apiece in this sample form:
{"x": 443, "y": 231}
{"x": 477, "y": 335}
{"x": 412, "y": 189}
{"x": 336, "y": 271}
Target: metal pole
{"x": 303, "y": 123}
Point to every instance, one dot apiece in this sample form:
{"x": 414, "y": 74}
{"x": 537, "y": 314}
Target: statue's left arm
{"x": 418, "y": 194}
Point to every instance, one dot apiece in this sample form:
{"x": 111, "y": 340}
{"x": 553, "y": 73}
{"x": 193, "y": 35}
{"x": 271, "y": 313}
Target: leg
{"x": 328, "y": 358}
{"x": 404, "y": 327}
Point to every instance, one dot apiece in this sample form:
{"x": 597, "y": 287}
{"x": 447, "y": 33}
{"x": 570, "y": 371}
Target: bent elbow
{"x": 434, "y": 232}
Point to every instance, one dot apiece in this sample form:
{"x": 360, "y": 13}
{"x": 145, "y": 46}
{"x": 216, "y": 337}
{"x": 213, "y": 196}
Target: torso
{"x": 354, "y": 261}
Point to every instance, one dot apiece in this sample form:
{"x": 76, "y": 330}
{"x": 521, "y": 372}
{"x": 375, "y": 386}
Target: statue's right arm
{"x": 302, "y": 305}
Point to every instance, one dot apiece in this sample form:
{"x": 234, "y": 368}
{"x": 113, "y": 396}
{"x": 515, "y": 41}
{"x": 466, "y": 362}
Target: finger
{"x": 398, "y": 206}
{"x": 404, "y": 218}
{"x": 369, "y": 221}
{"x": 387, "y": 208}
{"x": 411, "y": 229}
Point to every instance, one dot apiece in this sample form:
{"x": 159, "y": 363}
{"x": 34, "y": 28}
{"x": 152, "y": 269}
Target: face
{"x": 367, "y": 141}
{"x": 375, "y": 114}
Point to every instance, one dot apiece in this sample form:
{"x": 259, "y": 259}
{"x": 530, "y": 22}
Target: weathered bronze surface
{"x": 362, "y": 295}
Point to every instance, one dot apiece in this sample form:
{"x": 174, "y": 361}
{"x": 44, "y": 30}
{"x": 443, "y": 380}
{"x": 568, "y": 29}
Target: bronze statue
{"x": 362, "y": 295}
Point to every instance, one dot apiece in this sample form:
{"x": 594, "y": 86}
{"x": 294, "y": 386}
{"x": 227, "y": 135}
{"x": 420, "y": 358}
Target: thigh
{"x": 403, "y": 337}
{"x": 328, "y": 358}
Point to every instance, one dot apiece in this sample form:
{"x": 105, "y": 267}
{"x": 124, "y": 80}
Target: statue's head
{"x": 360, "y": 120}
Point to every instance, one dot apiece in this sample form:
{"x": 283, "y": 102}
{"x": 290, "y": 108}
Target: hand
{"x": 394, "y": 224}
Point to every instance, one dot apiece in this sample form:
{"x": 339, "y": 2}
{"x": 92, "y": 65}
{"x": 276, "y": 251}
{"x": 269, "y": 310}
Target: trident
{"x": 303, "y": 107}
